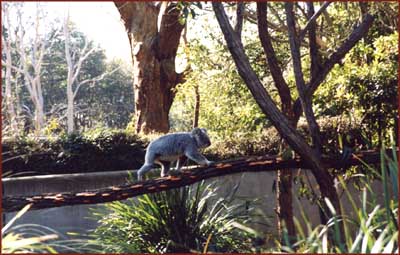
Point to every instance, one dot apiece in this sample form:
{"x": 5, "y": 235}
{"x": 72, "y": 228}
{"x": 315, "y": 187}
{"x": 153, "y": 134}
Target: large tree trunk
{"x": 153, "y": 54}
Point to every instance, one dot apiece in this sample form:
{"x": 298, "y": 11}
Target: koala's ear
{"x": 204, "y": 130}
{"x": 196, "y": 131}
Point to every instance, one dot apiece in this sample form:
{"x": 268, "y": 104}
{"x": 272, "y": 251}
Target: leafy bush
{"x": 108, "y": 150}
{"x": 180, "y": 220}
{"x": 102, "y": 150}
{"x": 268, "y": 141}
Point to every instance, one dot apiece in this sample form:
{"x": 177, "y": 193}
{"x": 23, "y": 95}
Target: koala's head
{"x": 201, "y": 136}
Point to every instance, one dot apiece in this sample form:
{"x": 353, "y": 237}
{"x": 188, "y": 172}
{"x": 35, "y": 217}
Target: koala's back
{"x": 171, "y": 144}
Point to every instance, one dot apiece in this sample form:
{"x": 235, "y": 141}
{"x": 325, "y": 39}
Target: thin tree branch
{"x": 312, "y": 40}
{"x": 276, "y": 72}
{"x": 306, "y": 102}
{"x": 239, "y": 18}
{"x": 312, "y": 20}
{"x": 95, "y": 79}
{"x": 78, "y": 65}
{"x": 335, "y": 58}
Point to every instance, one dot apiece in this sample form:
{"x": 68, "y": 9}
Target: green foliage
{"x": 109, "y": 102}
{"x": 105, "y": 149}
{"x": 366, "y": 90}
{"x": 188, "y": 10}
{"x": 226, "y": 105}
{"x": 179, "y": 220}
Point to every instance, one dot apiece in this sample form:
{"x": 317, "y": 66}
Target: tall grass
{"x": 375, "y": 224}
{"x": 34, "y": 238}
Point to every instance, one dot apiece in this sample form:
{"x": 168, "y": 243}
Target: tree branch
{"x": 335, "y": 58}
{"x": 312, "y": 40}
{"x": 312, "y": 19}
{"x": 306, "y": 101}
{"x": 239, "y": 18}
{"x": 276, "y": 72}
{"x": 187, "y": 177}
{"x": 95, "y": 79}
{"x": 81, "y": 60}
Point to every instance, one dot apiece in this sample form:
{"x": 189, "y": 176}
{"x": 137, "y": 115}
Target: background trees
{"x": 35, "y": 80}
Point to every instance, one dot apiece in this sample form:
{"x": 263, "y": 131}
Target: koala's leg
{"x": 148, "y": 165}
{"x": 196, "y": 156}
{"x": 180, "y": 162}
{"x": 144, "y": 169}
{"x": 165, "y": 165}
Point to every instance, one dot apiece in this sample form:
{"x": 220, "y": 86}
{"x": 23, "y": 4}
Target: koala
{"x": 176, "y": 147}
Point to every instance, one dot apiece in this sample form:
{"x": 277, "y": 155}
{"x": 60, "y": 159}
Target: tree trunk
{"x": 284, "y": 196}
{"x": 153, "y": 51}
{"x": 70, "y": 108}
{"x": 74, "y": 68}
{"x": 39, "y": 117}
{"x": 284, "y": 207}
{"x": 196, "y": 106}
{"x": 9, "y": 100}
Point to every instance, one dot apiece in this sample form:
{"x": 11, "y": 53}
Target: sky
{"x": 100, "y": 21}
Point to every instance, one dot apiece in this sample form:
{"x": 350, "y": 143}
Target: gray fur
{"x": 175, "y": 147}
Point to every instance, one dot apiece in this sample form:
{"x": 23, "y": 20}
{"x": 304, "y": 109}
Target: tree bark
{"x": 196, "y": 106}
{"x": 312, "y": 41}
{"x": 153, "y": 54}
{"x": 284, "y": 207}
{"x": 239, "y": 18}
{"x": 306, "y": 100}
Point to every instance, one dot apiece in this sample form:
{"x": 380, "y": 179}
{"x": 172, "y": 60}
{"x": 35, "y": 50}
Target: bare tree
{"x": 6, "y": 49}
{"x": 30, "y": 56}
{"x": 75, "y": 58}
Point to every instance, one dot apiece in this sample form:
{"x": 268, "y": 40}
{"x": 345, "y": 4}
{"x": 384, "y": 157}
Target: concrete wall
{"x": 76, "y": 218}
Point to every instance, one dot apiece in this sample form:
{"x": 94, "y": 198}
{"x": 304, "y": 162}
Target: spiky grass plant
{"x": 188, "y": 219}
{"x": 18, "y": 243}
{"x": 34, "y": 238}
